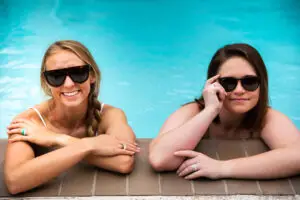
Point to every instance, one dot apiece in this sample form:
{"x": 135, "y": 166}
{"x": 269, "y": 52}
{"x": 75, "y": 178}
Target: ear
{"x": 92, "y": 79}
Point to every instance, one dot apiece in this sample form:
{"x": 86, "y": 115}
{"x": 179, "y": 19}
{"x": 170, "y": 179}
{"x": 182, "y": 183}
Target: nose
{"x": 239, "y": 88}
{"x": 68, "y": 82}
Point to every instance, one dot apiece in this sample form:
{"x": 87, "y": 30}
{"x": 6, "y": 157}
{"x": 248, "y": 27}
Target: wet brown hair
{"x": 254, "y": 119}
{"x": 93, "y": 114}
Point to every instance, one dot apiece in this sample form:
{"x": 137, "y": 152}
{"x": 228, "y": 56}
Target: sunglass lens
{"x": 79, "y": 75}
{"x": 55, "y": 79}
{"x": 250, "y": 83}
{"x": 228, "y": 83}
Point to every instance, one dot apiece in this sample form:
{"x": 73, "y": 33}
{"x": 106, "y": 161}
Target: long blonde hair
{"x": 93, "y": 114}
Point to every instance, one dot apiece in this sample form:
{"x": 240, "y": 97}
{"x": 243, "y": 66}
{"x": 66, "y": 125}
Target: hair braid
{"x": 93, "y": 114}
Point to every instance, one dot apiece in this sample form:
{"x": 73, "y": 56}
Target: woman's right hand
{"x": 214, "y": 94}
{"x": 108, "y": 145}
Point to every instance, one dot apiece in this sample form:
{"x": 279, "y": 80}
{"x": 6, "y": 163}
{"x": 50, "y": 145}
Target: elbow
{"x": 158, "y": 163}
{"x": 12, "y": 185}
{"x": 127, "y": 164}
{"x": 155, "y": 159}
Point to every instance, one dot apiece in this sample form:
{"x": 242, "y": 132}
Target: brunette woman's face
{"x": 239, "y": 100}
{"x": 70, "y": 93}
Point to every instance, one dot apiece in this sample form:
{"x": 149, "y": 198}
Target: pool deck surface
{"x": 87, "y": 182}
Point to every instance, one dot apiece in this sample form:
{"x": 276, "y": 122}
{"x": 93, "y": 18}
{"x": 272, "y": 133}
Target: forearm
{"x": 119, "y": 163}
{"x": 185, "y": 137}
{"x": 276, "y": 163}
{"x": 41, "y": 169}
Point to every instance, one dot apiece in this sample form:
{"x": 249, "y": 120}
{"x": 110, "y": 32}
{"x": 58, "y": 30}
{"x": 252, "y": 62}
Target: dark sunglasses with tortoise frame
{"x": 57, "y": 77}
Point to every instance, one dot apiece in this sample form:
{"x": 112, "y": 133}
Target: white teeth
{"x": 70, "y": 93}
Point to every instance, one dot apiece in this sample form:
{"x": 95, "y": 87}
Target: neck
{"x": 68, "y": 117}
{"x": 230, "y": 120}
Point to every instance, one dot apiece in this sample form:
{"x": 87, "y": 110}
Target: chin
{"x": 238, "y": 109}
{"x": 72, "y": 104}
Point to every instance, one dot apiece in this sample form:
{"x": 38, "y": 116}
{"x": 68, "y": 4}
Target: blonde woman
{"x": 73, "y": 120}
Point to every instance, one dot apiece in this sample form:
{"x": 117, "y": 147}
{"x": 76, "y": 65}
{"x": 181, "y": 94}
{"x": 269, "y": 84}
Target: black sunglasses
{"x": 249, "y": 83}
{"x": 78, "y": 74}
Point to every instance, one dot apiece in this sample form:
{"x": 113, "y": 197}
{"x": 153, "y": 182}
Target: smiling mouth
{"x": 69, "y": 94}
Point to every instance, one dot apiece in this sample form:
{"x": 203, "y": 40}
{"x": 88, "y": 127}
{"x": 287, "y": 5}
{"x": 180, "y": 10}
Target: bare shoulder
{"x": 110, "y": 112}
{"x": 274, "y": 117}
{"x": 113, "y": 121}
{"x": 279, "y": 130}
{"x": 30, "y": 114}
{"x": 180, "y": 116}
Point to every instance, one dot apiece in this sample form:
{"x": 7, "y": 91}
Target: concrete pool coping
{"x": 86, "y": 182}
{"x": 210, "y": 197}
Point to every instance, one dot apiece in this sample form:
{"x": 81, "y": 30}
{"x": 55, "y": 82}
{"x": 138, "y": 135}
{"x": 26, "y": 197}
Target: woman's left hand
{"x": 26, "y": 130}
{"x": 198, "y": 165}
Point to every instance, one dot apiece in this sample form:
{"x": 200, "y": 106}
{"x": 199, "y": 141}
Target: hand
{"x": 198, "y": 165}
{"x": 214, "y": 94}
{"x": 34, "y": 133}
{"x": 108, "y": 145}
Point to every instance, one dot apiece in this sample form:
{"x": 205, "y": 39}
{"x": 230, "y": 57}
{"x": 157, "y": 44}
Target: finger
{"x": 221, "y": 94}
{"x": 220, "y": 87}
{"x": 125, "y": 152}
{"x": 212, "y": 79}
{"x": 19, "y": 120}
{"x": 15, "y": 125}
{"x": 215, "y": 87}
{"x": 129, "y": 147}
{"x": 186, "y": 163}
{"x": 188, "y": 170}
{"x": 14, "y": 131}
{"x": 194, "y": 175}
{"x": 186, "y": 153}
{"x": 219, "y": 90}
{"x": 132, "y": 142}
{"x": 18, "y": 138}
{"x": 135, "y": 149}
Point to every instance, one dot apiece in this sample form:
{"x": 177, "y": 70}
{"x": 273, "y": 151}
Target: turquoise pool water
{"x": 153, "y": 53}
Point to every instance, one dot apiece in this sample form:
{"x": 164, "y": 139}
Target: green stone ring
{"x": 23, "y": 131}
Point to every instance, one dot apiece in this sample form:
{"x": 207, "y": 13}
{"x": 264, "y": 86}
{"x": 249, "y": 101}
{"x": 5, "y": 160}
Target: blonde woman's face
{"x": 70, "y": 93}
{"x": 239, "y": 100}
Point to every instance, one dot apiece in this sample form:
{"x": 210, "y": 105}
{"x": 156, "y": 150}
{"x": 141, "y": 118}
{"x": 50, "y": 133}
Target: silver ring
{"x": 123, "y": 146}
{"x": 194, "y": 167}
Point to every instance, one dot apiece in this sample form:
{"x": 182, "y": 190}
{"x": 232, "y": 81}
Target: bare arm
{"x": 283, "y": 160}
{"x": 19, "y": 172}
{"x": 182, "y": 130}
{"x": 114, "y": 123}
